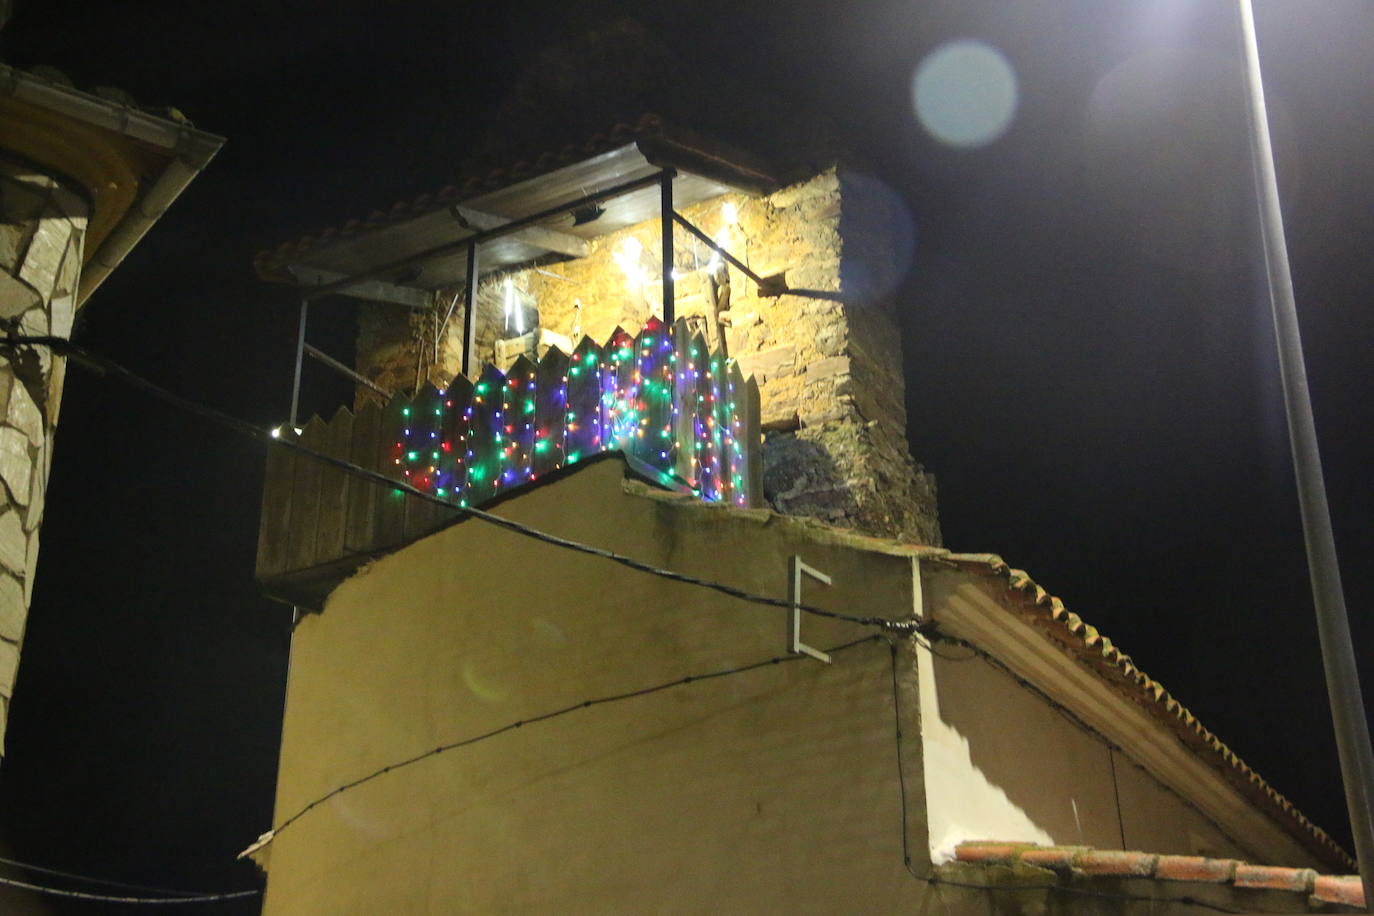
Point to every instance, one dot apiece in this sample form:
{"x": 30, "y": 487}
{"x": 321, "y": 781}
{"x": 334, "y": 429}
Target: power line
{"x": 57, "y": 873}
{"x": 109, "y": 898}
{"x": 102, "y": 365}
{"x": 554, "y": 714}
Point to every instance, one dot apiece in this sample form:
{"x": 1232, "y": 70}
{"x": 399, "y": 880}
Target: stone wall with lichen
{"x": 42, "y": 225}
{"x": 827, "y": 354}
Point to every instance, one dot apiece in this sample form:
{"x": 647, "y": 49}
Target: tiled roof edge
{"x": 1048, "y": 614}
{"x": 1345, "y": 890}
{"x": 271, "y": 264}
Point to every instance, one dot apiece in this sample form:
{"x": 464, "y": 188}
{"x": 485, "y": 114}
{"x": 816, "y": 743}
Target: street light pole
{"x": 1333, "y": 626}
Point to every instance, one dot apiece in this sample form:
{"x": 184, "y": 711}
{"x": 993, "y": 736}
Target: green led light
{"x": 476, "y": 473}
{"x": 591, "y": 359}
{"x": 439, "y": 492}
{"x": 436, "y": 456}
{"x": 542, "y": 445}
{"x": 529, "y": 407}
{"x": 405, "y": 411}
{"x": 481, "y": 388}
{"x": 412, "y": 455}
{"x": 575, "y": 370}
{"x": 574, "y": 457}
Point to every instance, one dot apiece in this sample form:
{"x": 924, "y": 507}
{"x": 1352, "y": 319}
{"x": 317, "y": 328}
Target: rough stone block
{"x": 825, "y": 368}
{"x": 30, "y": 566}
{"x": 9, "y": 667}
{"x": 768, "y": 363}
{"x": 13, "y": 610}
{"x": 16, "y": 297}
{"x": 44, "y": 256}
{"x": 23, "y": 414}
{"x": 13, "y": 544}
{"x": 63, "y": 310}
{"x": 16, "y": 466}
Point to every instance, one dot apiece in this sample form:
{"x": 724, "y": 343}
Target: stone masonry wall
{"x": 827, "y": 356}
{"x": 42, "y": 225}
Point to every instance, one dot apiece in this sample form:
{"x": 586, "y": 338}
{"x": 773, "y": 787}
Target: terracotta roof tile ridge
{"x": 1345, "y": 890}
{"x": 1079, "y": 639}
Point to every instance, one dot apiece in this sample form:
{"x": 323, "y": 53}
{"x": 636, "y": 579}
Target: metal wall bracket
{"x": 794, "y": 643}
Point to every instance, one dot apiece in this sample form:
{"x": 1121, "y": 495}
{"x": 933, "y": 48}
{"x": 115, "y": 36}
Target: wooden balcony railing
{"x": 678, "y": 412}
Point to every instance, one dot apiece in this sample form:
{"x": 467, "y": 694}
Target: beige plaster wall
{"x": 42, "y": 226}
{"x": 1002, "y": 764}
{"x": 771, "y": 791}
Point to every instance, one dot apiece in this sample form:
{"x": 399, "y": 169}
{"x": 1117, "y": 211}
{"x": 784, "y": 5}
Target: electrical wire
{"x": 89, "y": 879}
{"x": 110, "y": 898}
{"x": 103, "y": 365}
{"x": 554, "y": 714}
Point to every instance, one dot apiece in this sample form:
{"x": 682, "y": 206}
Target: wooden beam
{"x": 373, "y": 290}
{"x": 537, "y": 236}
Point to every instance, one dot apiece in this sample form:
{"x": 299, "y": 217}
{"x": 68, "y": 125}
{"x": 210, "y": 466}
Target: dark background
{"x": 1090, "y": 362}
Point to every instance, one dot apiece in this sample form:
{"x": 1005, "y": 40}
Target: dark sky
{"x": 1090, "y": 362}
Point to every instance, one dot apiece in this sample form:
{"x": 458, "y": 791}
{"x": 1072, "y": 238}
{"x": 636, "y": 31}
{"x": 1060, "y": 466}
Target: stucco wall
{"x": 827, "y": 356}
{"x": 42, "y": 225}
{"x": 773, "y": 790}
{"x": 1002, "y": 764}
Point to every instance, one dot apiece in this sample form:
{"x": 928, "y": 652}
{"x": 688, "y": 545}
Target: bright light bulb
{"x": 276, "y": 432}
{"x": 730, "y": 213}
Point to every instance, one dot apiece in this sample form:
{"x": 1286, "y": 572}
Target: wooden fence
{"x": 678, "y": 411}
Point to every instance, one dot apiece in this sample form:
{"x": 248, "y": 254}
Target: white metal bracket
{"x": 794, "y": 643}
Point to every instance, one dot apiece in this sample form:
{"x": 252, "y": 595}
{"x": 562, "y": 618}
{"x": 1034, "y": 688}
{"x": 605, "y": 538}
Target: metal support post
{"x": 666, "y": 217}
{"x": 300, "y": 357}
{"x": 470, "y": 309}
{"x": 1333, "y": 626}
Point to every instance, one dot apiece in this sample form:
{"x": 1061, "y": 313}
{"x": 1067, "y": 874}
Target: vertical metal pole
{"x": 300, "y": 356}
{"x": 470, "y": 309}
{"x": 1333, "y": 626}
{"x": 665, "y": 214}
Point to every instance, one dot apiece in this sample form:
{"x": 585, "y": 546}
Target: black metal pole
{"x": 725, "y": 255}
{"x": 470, "y": 309}
{"x": 300, "y": 357}
{"x": 1333, "y": 625}
{"x": 665, "y": 213}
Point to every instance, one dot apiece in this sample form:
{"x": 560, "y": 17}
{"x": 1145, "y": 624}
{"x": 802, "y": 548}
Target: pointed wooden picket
{"x": 369, "y": 448}
{"x": 522, "y": 386}
{"x": 582, "y": 435}
{"x": 275, "y": 525}
{"x": 305, "y": 498}
{"x": 753, "y": 443}
{"x": 486, "y": 435}
{"x": 735, "y": 398}
{"x": 652, "y": 442}
{"x": 335, "y": 485}
{"x": 618, "y": 391}
{"x": 550, "y": 411}
{"x": 684, "y": 405}
{"x": 391, "y": 510}
{"x": 451, "y": 479}
{"x": 425, "y": 422}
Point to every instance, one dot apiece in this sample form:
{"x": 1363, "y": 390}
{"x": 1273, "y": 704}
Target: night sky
{"x": 1089, "y": 356}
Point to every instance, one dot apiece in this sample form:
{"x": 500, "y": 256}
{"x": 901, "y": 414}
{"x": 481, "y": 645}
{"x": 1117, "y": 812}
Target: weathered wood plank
{"x": 391, "y": 509}
{"x": 520, "y": 405}
{"x": 274, "y": 525}
{"x": 336, "y": 486}
{"x": 583, "y": 434}
{"x": 366, "y": 449}
{"x": 754, "y": 444}
{"x": 486, "y": 437}
{"x": 684, "y": 405}
{"x": 426, "y": 420}
{"x": 550, "y": 411}
{"x": 305, "y": 498}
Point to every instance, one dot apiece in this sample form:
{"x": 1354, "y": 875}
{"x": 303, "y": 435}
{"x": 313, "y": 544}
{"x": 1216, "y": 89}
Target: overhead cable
{"x": 103, "y": 365}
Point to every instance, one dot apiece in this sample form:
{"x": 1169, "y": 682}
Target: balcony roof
{"x": 410, "y": 228}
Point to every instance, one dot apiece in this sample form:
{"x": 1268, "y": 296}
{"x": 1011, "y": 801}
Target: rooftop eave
{"x": 131, "y": 164}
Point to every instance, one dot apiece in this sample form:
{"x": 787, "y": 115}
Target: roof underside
{"x": 443, "y": 220}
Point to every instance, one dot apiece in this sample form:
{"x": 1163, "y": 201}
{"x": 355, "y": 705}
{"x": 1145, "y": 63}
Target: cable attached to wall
{"x": 103, "y": 365}
{"x": 111, "y": 898}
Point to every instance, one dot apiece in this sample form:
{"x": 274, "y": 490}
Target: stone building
{"x": 532, "y": 710}
{"x": 82, "y": 177}
{"x": 826, "y": 354}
